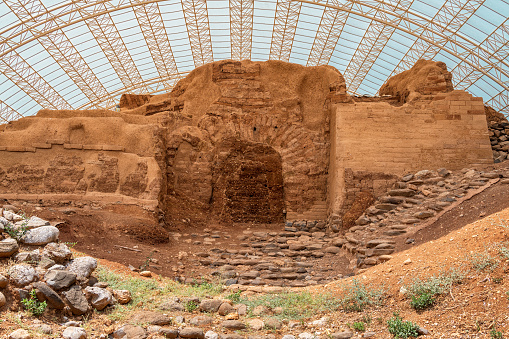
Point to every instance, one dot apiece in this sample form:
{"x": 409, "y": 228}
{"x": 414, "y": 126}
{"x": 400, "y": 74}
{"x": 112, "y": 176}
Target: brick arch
{"x": 304, "y": 156}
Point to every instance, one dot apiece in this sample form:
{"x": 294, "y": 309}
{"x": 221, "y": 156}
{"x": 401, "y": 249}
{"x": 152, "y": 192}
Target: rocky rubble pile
{"x": 47, "y": 267}
{"x": 499, "y": 138}
{"x": 220, "y": 318}
{"x": 414, "y": 199}
{"x": 288, "y": 258}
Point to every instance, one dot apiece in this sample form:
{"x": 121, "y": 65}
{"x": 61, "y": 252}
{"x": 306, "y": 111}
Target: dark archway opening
{"x": 248, "y": 183}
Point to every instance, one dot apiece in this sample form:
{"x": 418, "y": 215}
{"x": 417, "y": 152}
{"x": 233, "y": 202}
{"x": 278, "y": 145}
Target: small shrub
{"x": 501, "y": 222}
{"x": 504, "y": 251}
{"x": 358, "y": 297}
{"x": 422, "y": 301}
{"x": 33, "y": 305}
{"x": 367, "y": 319}
{"x": 402, "y": 329}
{"x": 359, "y": 326}
{"x": 234, "y": 296}
{"x": 190, "y": 306}
{"x": 482, "y": 262}
{"x": 16, "y": 232}
{"x": 494, "y": 334}
{"x": 423, "y": 292}
{"x": 295, "y": 305}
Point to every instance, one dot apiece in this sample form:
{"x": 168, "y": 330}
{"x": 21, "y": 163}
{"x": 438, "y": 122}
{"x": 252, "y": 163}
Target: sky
{"x": 480, "y": 38}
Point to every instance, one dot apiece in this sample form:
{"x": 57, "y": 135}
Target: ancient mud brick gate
{"x": 246, "y": 142}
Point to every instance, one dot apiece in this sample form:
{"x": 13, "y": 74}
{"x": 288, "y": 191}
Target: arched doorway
{"x": 247, "y": 183}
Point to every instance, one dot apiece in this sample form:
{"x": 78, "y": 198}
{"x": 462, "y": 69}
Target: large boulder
{"x": 22, "y": 274}
{"x": 35, "y": 222}
{"x": 41, "y": 235}
{"x": 83, "y": 267}
{"x": 99, "y": 297}
{"x": 59, "y": 279}
{"x": 8, "y": 247}
{"x": 53, "y": 299}
{"x": 76, "y": 300}
{"x": 57, "y": 252}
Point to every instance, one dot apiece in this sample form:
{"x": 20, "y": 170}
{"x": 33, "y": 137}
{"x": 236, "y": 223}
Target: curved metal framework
{"x": 85, "y": 53}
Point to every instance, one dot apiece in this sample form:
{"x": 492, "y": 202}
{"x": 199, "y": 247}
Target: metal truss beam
{"x": 241, "y": 28}
{"x": 156, "y": 85}
{"x": 7, "y": 113}
{"x": 372, "y": 43}
{"x": 500, "y": 102}
{"x": 108, "y": 38}
{"x": 417, "y": 27}
{"x": 331, "y": 26}
{"x": 283, "y": 33}
{"x": 450, "y": 18}
{"x": 29, "y": 81}
{"x": 497, "y": 43}
{"x": 152, "y": 26}
{"x": 58, "y": 45}
{"x": 198, "y": 29}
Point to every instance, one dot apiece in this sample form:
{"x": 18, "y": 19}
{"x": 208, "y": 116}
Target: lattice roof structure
{"x": 82, "y": 54}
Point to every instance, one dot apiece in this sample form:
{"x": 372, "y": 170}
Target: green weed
{"x": 190, "y": 306}
{"x": 423, "y": 292}
{"x": 494, "y": 334}
{"x": 482, "y": 262}
{"x": 401, "y": 329}
{"x": 359, "y": 326}
{"x": 357, "y": 297}
{"x": 422, "y": 301}
{"x": 142, "y": 291}
{"x": 234, "y": 296}
{"x": 17, "y": 232}
{"x": 33, "y": 305}
{"x": 295, "y": 305}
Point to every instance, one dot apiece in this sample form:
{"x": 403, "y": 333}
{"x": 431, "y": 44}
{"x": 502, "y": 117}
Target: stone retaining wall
{"x": 444, "y": 130}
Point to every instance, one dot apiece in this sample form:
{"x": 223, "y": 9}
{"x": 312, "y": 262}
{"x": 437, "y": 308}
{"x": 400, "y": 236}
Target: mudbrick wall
{"x": 247, "y": 142}
{"x": 429, "y": 128}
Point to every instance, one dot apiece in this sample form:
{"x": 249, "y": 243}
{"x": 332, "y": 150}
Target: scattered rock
{"x": 210, "y": 305}
{"x": 99, "y": 297}
{"x": 192, "y": 332}
{"x": 3, "y": 281}
{"x": 74, "y": 333}
{"x": 256, "y": 324}
{"x": 58, "y": 252}
{"x": 201, "y": 320}
{"x": 225, "y": 309}
{"x": 53, "y": 299}
{"x": 83, "y": 267}
{"x": 342, "y": 335}
{"x": 130, "y": 332}
{"x": 150, "y": 317}
{"x": 41, "y": 235}
{"x": 211, "y": 335}
{"x": 59, "y": 279}
{"x": 8, "y": 247}
{"x": 41, "y": 328}
{"x": 273, "y": 324}
{"x": 19, "y": 333}
{"x": 2, "y": 299}
{"x": 233, "y": 324}
{"x": 22, "y": 274}
{"x": 76, "y": 300}
{"x": 122, "y": 296}
{"x": 35, "y": 222}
